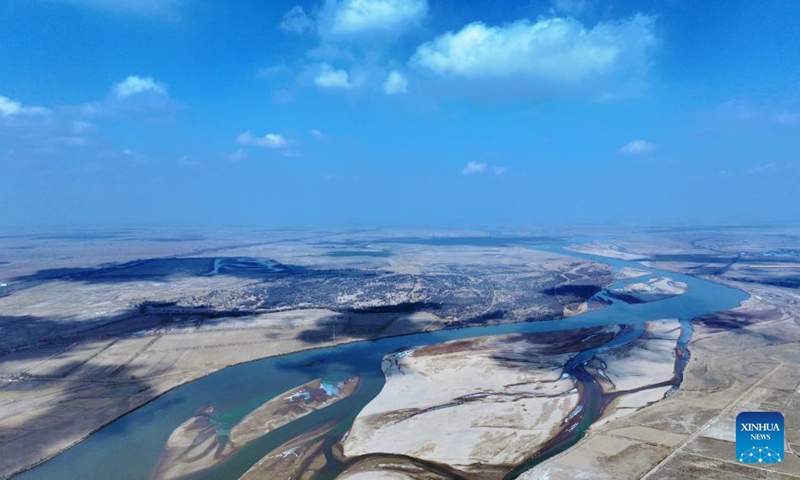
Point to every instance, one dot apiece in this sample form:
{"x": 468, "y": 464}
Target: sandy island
{"x": 197, "y": 444}
{"x": 652, "y": 291}
{"x": 483, "y": 405}
{"x": 626, "y": 273}
{"x": 301, "y": 458}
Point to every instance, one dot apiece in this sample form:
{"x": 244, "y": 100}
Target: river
{"x": 129, "y": 448}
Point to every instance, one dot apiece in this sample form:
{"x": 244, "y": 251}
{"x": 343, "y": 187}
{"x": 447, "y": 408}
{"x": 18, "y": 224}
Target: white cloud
{"x": 357, "y": 36}
{"x": 354, "y": 17}
{"x": 395, "y": 83}
{"x": 328, "y": 77}
{"x": 41, "y": 132}
{"x": 134, "y": 85}
{"x": 473, "y": 168}
{"x": 552, "y": 54}
{"x": 296, "y": 21}
{"x": 637, "y": 147}
{"x": 9, "y": 107}
{"x": 316, "y": 133}
{"x": 133, "y": 96}
{"x": 270, "y": 140}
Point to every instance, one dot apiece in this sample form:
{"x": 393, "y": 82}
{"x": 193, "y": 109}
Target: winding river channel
{"x": 129, "y": 448}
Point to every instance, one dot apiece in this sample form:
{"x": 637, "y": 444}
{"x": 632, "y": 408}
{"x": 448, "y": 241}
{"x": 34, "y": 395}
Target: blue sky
{"x": 398, "y": 112}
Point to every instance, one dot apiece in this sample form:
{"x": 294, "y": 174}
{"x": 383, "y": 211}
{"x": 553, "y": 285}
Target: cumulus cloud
{"x": 637, "y": 147}
{"x": 551, "y": 54}
{"x": 270, "y": 140}
{"x": 35, "y": 131}
{"x": 395, "y": 83}
{"x": 133, "y": 96}
{"x": 9, "y": 107}
{"x": 356, "y": 35}
{"x": 328, "y": 77}
{"x": 344, "y": 18}
{"x": 473, "y": 168}
{"x": 296, "y": 21}
{"x": 134, "y": 85}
